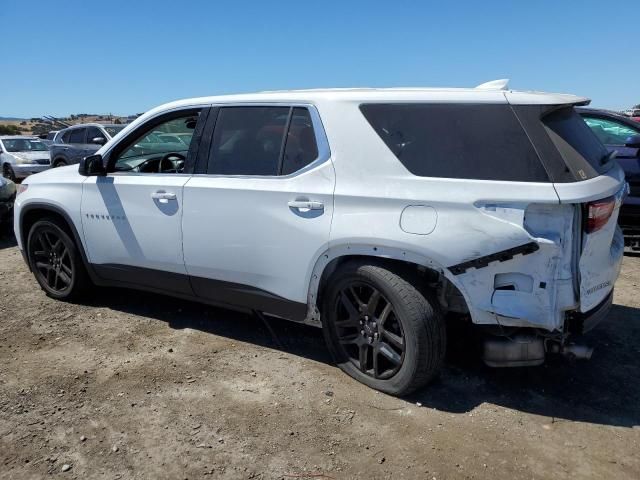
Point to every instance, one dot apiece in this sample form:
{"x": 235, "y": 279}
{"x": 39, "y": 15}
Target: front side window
{"x": 161, "y": 148}
{"x": 473, "y": 141}
{"x": 93, "y": 133}
{"x": 610, "y": 132}
{"x": 252, "y": 141}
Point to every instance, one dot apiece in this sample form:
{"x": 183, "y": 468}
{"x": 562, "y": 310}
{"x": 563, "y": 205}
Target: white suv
{"x": 376, "y": 214}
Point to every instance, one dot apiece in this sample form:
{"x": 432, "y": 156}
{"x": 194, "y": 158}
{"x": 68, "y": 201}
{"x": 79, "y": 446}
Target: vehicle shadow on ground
{"x": 603, "y": 390}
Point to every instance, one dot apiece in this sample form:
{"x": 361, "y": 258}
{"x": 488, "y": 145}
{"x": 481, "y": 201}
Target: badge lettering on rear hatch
{"x": 598, "y": 287}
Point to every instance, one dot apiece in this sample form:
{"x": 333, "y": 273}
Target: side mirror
{"x": 92, "y": 166}
{"x": 98, "y": 140}
{"x": 633, "y": 141}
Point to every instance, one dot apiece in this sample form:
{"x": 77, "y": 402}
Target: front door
{"x": 132, "y": 216}
{"x": 260, "y": 213}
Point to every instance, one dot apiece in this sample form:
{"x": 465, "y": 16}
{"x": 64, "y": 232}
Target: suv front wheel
{"x": 55, "y": 260}
{"x": 381, "y": 330}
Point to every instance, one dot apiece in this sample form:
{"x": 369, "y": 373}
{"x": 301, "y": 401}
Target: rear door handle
{"x": 306, "y": 205}
{"x": 163, "y": 197}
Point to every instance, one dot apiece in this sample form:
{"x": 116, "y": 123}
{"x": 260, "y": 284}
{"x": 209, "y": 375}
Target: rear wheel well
{"x": 421, "y": 277}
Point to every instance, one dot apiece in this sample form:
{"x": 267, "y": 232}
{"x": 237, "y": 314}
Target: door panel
{"x": 243, "y": 231}
{"x": 134, "y": 220}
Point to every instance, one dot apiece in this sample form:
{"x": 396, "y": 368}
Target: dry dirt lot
{"x": 132, "y": 385}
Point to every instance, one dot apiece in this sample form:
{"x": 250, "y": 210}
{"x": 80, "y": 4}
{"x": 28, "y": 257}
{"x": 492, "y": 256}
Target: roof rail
{"x": 502, "y": 84}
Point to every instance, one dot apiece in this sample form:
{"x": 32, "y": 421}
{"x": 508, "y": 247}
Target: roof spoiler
{"x": 501, "y": 84}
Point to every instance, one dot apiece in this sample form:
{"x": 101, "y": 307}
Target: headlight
{"x": 21, "y": 160}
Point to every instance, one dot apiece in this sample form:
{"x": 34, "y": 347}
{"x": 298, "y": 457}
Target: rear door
{"x": 77, "y": 141}
{"x": 258, "y": 210}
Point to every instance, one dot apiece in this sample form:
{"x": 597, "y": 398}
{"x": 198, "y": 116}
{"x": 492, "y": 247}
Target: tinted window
{"x": 93, "y": 132}
{"x": 77, "y": 135}
{"x": 248, "y": 141}
{"x": 155, "y": 151}
{"x": 301, "y": 148}
{"x": 483, "y": 142}
{"x": 610, "y": 132}
{"x": 66, "y": 136}
{"x": 113, "y": 131}
{"x": 581, "y": 150}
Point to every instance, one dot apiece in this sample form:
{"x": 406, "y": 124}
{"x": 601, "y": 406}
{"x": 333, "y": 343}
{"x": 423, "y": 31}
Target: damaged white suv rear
{"x": 376, "y": 214}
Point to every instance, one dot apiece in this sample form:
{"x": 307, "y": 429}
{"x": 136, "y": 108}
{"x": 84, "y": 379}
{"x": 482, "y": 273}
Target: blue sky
{"x": 125, "y": 57}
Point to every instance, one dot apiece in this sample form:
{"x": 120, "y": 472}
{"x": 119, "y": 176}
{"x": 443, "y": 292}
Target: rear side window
{"x": 301, "y": 148}
{"x": 474, "y": 141}
{"x": 580, "y": 148}
{"x": 252, "y": 141}
{"x": 77, "y": 136}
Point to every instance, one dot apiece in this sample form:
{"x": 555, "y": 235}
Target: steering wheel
{"x": 172, "y": 160}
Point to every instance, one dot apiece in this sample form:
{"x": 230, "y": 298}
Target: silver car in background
{"x": 20, "y": 156}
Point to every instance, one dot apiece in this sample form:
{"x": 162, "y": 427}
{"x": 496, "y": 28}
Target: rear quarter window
{"x": 583, "y": 153}
{"x": 472, "y": 141}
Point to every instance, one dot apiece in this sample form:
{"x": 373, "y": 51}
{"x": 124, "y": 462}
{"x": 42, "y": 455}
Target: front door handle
{"x": 306, "y": 205}
{"x": 163, "y": 197}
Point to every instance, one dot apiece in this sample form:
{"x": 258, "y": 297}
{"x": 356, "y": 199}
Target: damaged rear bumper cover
{"x": 584, "y": 322}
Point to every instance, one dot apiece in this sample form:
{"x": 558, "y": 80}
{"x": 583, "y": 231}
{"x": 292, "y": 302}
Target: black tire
{"x": 8, "y": 173}
{"x": 59, "y": 163}
{"x": 415, "y": 319}
{"x": 53, "y": 253}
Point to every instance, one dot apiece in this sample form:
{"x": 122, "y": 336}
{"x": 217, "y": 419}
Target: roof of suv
{"x": 93, "y": 124}
{"x": 485, "y": 93}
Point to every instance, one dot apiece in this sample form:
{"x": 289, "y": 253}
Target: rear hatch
{"x": 585, "y": 175}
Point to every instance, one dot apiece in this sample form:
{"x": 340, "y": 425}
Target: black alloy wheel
{"x": 55, "y": 260}
{"x": 382, "y": 327}
{"x": 368, "y": 331}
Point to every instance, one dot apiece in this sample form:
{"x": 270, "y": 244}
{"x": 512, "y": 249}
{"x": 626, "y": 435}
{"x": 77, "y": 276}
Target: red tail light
{"x": 599, "y": 213}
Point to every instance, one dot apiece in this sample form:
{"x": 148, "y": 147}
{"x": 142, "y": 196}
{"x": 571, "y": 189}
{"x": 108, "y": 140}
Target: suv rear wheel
{"x": 55, "y": 260}
{"x": 381, "y": 330}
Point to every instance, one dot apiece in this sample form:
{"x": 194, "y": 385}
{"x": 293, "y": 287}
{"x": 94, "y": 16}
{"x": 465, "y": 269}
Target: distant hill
{"x": 13, "y": 119}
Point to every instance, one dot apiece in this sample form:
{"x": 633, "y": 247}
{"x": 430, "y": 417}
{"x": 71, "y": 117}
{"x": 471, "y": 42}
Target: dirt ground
{"x": 132, "y": 385}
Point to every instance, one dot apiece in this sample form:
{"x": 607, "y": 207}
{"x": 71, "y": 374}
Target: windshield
{"x": 112, "y": 131}
{"x": 24, "y": 145}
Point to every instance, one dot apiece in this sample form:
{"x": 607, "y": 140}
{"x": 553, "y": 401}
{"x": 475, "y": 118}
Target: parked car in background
{"x": 7, "y": 197}
{"x": 633, "y": 113}
{"x": 52, "y": 134}
{"x": 622, "y": 135}
{"x": 74, "y": 143}
{"x": 22, "y": 155}
{"x": 319, "y": 207}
